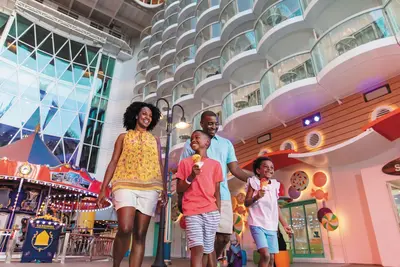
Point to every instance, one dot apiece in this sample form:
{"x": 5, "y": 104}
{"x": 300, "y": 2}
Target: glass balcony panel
{"x": 185, "y": 54}
{"x": 204, "y": 5}
{"x": 348, "y": 35}
{"x": 166, "y": 73}
{"x": 241, "y": 43}
{"x": 206, "y": 70}
{"x": 186, "y": 25}
{"x": 182, "y": 89}
{"x": 233, "y": 8}
{"x": 207, "y": 33}
{"x": 149, "y": 88}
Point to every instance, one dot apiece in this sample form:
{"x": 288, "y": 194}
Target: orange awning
{"x": 388, "y": 125}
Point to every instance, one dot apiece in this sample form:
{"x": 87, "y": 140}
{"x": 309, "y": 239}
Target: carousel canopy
{"x": 30, "y": 149}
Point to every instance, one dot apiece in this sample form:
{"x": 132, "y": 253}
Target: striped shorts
{"x": 201, "y": 229}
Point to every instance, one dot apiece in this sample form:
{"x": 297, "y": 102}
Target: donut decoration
{"x": 299, "y": 180}
{"x": 240, "y": 198}
{"x": 319, "y": 194}
{"x": 238, "y": 223}
{"x": 330, "y": 222}
{"x": 182, "y": 223}
{"x": 319, "y": 179}
{"x": 294, "y": 193}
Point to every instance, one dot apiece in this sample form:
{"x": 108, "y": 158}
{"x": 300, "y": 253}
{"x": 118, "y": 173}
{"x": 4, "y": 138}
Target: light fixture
{"x": 314, "y": 118}
{"x": 182, "y": 124}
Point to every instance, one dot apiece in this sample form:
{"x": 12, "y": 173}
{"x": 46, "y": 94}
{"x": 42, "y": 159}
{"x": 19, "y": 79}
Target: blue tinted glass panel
{"x": 43, "y": 60}
{"x": 85, "y": 157}
{"x": 70, "y": 146}
{"x": 61, "y": 66}
{"x": 89, "y": 132}
{"x": 51, "y": 141}
{"x": 82, "y": 96}
{"x": 6, "y": 133}
{"x": 102, "y": 110}
{"x": 33, "y": 121}
{"x": 75, "y": 129}
{"x": 97, "y": 133}
{"x": 59, "y": 151}
{"x": 66, "y": 119}
{"x": 93, "y": 159}
{"x": 24, "y": 51}
{"x": 46, "y": 114}
{"x": 6, "y": 102}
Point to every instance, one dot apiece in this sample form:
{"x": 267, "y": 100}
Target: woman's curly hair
{"x": 133, "y": 111}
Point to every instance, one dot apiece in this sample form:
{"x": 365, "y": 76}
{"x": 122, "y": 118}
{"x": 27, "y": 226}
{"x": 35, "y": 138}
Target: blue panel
{"x": 51, "y": 141}
{"x": 67, "y": 118}
{"x": 75, "y": 130}
{"x": 59, "y": 152}
{"x": 6, "y": 102}
{"x": 72, "y": 160}
{"x": 70, "y": 146}
{"x": 33, "y": 121}
{"x": 40, "y": 154}
{"x": 46, "y": 114}
{"x": 6, "y": 133}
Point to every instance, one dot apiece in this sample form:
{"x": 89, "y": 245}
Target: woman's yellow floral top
{"x": 138, "y": 167}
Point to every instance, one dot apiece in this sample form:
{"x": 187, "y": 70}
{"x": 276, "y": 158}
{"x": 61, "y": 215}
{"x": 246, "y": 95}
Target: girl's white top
{"x": 264, "y": 213}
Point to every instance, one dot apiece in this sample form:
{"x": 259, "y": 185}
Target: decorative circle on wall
{"x": 330, "y": 222}
{"x": 314, "y": 139}
{"x": 319, "y": 179}
{"x": 380, "y": 111}
{"x": 294, "y": 193}
{"x": 288, "y": 145}
{"x": 299, "y": 180}
{"x": 264, "y": 151}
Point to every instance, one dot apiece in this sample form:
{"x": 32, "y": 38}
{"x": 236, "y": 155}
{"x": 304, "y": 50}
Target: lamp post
{"x": 159, "y": 260}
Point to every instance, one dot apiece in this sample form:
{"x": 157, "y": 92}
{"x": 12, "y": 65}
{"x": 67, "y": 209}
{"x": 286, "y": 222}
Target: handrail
{"x": 286, "y": 58}
{"x": 234, "y": 37}
{"x": 240, "y": 87}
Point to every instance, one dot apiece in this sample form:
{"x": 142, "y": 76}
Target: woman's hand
{"x": 101, "y": 198}
{"x": 164, "y": 198}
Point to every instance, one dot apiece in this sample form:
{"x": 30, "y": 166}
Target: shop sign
{"x": 392, "y": 168}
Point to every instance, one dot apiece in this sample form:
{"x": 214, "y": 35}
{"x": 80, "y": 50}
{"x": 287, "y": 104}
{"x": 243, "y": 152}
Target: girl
{"x": 135, "y": 175}
{"x": 264, "y": 213}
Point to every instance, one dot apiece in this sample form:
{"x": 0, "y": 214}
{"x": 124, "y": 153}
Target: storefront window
{"x": 394, "y": 190}
{"x": 307, "y": 240}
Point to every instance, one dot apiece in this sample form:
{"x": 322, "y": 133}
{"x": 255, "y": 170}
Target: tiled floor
{"x": 149, "y": 261}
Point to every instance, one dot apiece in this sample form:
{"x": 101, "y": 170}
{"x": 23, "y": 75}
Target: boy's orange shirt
{"x": 199, "y": 197}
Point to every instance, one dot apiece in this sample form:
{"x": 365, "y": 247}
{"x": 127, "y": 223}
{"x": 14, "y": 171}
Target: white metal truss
{"x": 37, "y": 9}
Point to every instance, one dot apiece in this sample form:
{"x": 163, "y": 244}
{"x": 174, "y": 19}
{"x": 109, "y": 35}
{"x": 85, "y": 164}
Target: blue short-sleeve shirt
{"x": 221, "y": 150}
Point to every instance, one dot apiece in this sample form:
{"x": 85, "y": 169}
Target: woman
{"x": 135, "y": 175}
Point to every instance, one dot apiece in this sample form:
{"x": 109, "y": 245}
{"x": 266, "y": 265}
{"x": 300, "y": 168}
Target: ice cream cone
{"x": 197, "y": 160}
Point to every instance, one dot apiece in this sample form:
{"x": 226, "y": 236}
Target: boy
{"x": 199, "y": 179}
{"x": 264, "y": 212}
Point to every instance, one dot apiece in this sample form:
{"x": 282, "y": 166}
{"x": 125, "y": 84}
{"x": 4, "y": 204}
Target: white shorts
{"x": 144, "y": 201}
{"x": 226, "y": 222}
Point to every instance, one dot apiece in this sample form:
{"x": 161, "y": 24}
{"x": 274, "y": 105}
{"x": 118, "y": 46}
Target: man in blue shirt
{"x": 222, "y": 150}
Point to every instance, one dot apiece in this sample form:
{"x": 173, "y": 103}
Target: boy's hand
{"x": 288, "y": 231}
{"x": 260, "y": 193}
{"x": 195, "y": 171}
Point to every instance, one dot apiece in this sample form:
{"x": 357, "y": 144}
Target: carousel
{"x": 33, "y": 183}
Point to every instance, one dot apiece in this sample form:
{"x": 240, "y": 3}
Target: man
{"x": 222, "y": 150}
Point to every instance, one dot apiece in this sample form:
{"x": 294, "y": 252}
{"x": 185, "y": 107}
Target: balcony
{"x": 241, "y": 98}
{"x": 152, "y": 67}
{"x": 143, "y": 56}
{"x": 349, "y": 35}
{"x": 187, "y": 8}
{"x": 208, "y": 39}
{"x": 137, "y": 98}
{"x": 184, "y": 61}
{"x": 278, "y": 20}
{"x": 361, "y": 49}
{"x": 167, "y": 50}
{"x": 208, "y": 71}
{"x": 205, "y": 10}
{"x": 165, "y": 78}
{"x": 239, "y": 51}
{"x": 234, "y": 14}
{"x": 157, "y": 21}
{"x": 179, "y": 137}
{"x": 145, "y": 36}
{"x": 170, "y": 25}
{"x": 182, "y": 91}
{"x": 197, "y": 117}
{"x": 292, "y": 78}
{"x": 155, "y": 43}
{"x": 170, "y": 6}
{"x": 186, "y": 31}
{"x": 149, "y": 91}
{"x": 140, "y": 80}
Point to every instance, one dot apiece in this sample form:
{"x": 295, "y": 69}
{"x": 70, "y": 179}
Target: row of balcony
{"x": 357, "y": 30}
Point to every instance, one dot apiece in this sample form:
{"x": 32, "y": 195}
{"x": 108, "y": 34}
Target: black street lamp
{"x": 182, "y": 124}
